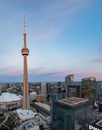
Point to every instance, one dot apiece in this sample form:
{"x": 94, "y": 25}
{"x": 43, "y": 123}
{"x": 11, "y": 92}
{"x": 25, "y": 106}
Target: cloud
{"x": 45, "y": 73}
{"x": 89, "y": 72}
{"x": 10, "y": 71}
{"x": 16, "y": 72}
{"x": 42, "y": 74}
{"x": 97, "y": 60}
{"x": 50, "y": 75}
{"x": 58, "y": 74}
{"x": 55, "y": 76}
{"x": 65, "y": 5}
{"x": 37, "y": 71}
{"x": 51, "y": 20}
{"x": 80, "y": 75}
{"x": 44, "y": 34}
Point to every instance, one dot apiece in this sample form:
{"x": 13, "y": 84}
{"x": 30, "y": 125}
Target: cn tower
{"x": 25, "y": 53}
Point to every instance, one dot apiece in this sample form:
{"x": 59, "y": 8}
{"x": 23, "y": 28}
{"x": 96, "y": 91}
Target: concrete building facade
{"x": 25, "y": 53}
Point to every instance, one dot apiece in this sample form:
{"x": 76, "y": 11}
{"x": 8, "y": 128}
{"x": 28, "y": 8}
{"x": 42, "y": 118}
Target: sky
{"x": 63, "y": 36}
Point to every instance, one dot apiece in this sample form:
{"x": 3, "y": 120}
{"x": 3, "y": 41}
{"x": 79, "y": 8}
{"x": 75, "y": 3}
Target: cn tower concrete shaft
{"x": 25, "y": 53}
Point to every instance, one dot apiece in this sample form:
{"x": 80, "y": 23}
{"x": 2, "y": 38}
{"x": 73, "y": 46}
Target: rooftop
{"x": 25, "y": 114}
{"x": 99, "y": 123}
{"x": 73, "y": 101}
{"x": 9, "y": 97}
{"x": 43, "y": 105}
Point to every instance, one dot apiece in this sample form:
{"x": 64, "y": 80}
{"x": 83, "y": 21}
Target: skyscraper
{"x": 88, "y": 88}
{"x": 69, "y": 79}
{"x": 25, "y": 53}
{"x": 43, "y": 88}
{"x": 71, "y": 114}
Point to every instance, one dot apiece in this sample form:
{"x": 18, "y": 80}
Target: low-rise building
{"x": 41, "y": 98}
{"x": 9, "y": 101}
{"x": 42, "y": 108}
{"x": 95, "y": 125}
{"x": 33, "y": 96}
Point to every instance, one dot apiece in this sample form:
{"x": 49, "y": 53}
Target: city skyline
{"x": 63, "y": 36}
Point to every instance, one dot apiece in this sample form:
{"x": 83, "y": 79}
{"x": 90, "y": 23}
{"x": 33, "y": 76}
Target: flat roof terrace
{"x": 73, "y": 100}
{"x": 99, "y": 123}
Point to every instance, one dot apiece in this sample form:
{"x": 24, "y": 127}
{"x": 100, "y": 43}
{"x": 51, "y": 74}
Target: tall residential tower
{"x": 25, "y": 53}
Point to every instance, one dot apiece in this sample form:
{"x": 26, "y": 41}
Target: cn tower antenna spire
{"x": 24, "y": 31}
{"x": 24, "y": 24}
